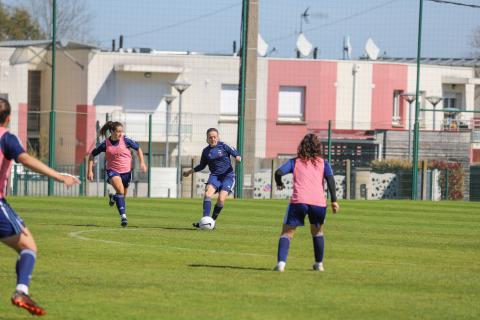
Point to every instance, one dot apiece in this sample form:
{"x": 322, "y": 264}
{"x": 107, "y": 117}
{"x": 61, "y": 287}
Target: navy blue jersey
{"x": 217, "y": 158}
{"x": 102, "y": 147}
{"x": 289, "y": 167}
{"x": 11, "y": 146}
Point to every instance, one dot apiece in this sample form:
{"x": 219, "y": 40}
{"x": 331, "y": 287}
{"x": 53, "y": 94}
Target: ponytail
{"x": 109, "y": 127}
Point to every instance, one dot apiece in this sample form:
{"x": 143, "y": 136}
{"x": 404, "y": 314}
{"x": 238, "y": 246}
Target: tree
{"x": 17, "y": 24}
{"x": 73, "y": 18}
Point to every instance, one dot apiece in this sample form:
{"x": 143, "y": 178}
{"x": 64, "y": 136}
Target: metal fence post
{"x": 446, "y": 184}
{"x": 15, "y": 180}
{"x": 193, "y": 179}
{"x": 107, "y": 118}
{"x": 25, "y": 181}
{"x": 149, "y": 178}
{"x": 81, "y": 187}
{"x": 348, "y": 178}
{"x": 329, "y": 146}
{"x": 272, "y": 179}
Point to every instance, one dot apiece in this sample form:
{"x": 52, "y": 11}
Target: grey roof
{"x": 47, "y": 43}
{"x": 458, "y": 62}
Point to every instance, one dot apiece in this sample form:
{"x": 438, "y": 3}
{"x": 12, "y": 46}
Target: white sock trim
{"x": 22, "y": 288}
{"x": 29, "y": 251}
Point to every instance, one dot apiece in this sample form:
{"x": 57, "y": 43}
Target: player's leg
{"x": 24, "y": 244}
{"x": 294, "y": 217}
{"x": 117, "y": 184}
{"x": 226, "y": 188}
{"x": 210, "y": 190}
{"x": 316, "y": 215}
{"x": 222, "y": 196}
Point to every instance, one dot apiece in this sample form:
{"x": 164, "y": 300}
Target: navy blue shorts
{"x": 10, "y": 223}
{"x": 296, "y": 212}
{"x": 224, "y": 182}
{"x": 126, "y": 177}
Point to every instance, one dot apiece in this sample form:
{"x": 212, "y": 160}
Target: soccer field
{"x": 383, "y": 260}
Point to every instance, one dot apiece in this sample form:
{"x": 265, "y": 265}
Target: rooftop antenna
{"x": 347, "y": 48}
{"x": 304, "y": 17}
{"x": 306, "y": 13}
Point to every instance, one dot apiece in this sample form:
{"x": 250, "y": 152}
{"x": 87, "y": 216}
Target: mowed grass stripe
{"x": 383, "y": 260}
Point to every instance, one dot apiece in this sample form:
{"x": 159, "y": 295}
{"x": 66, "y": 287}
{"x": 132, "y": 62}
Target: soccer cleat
{"x": 124, "y": 222}
{"x": 111, "y": 199}
{"x": 280, "y": 267}
{"x": 196, "y": 225}
{"x": 318, "y": 266}
{"x": 22, "y": 300}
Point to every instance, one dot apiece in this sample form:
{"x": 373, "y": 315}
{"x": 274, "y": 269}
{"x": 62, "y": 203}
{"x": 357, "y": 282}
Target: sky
{"x": 212, "y": 25}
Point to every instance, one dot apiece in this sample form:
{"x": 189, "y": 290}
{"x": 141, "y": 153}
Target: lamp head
{"x": 169, "y": 98}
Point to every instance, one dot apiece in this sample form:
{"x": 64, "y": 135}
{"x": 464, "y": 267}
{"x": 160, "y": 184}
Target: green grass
{"x": 383, "y": 260}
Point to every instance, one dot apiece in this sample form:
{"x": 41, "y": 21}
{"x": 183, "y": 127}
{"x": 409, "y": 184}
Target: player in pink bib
{"x": 308, "y": 198}
{"x": 13, "y": 231}
{"x": 118, "y": 160}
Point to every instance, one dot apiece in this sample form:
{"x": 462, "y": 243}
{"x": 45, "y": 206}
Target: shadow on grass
{"x": 91, "y": 225}
{"x": 227, "y": 267}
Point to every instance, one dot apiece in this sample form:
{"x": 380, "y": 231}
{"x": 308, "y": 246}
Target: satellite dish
{"x": 262, "y": 46}
{"x": 371, "y": 49}
{"x": 303, "y": 45}
{"x": 347, "y": 47}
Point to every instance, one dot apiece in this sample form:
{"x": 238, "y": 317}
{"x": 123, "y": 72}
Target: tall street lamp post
{"x": 168, "y": 99}
{"x": 180, "y": 86}
{"x": 410, "y": 98}
{"x": 434, "y": 100}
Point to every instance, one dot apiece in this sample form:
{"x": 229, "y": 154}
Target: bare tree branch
{"x": 74, "y": 19}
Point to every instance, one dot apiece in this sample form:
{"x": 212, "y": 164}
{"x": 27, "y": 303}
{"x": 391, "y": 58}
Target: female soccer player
{"x": 308, "y": 198}
{"x": 222, "y": 177}
{"x": 13, "y": 231}
{"x": 118, "y": 164}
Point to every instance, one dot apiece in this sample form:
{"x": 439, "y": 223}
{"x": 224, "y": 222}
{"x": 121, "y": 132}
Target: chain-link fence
{"x": 344, "y": 70}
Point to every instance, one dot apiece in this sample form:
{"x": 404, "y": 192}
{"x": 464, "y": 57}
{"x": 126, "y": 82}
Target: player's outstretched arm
{"x": 188, "y": 172}
{"x": 143, "y": 166}
{"x": 39, "y": 167}
{"x": 90, "y": 168}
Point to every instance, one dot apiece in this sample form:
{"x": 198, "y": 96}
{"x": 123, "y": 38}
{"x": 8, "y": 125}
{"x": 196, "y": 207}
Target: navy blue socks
{"x": 318, "y": 247}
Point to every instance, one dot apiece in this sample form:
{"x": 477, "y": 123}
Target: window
{"x": 291, "y": 103}
{"x": 229, "y": 100}
{"x": 452, "y": 100}
{"x": 397, "y": 115}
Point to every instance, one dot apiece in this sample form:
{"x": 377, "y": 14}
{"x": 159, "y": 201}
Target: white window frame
{"x": 229, "y": 101}
{"x": 397, "y": 101}
{"x": 288, "y": 96}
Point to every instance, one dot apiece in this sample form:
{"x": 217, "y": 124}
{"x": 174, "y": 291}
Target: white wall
{"x": 14, "y": 82}
{"x": 347, "y": 108}
{"x": 434, "y": 80}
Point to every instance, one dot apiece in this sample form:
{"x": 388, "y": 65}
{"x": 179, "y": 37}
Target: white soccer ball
{"x": 206, "y": 223}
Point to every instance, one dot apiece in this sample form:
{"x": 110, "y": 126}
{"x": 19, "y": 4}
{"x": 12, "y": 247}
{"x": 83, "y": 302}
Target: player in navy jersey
{"x": 13, "y": 231}
{"x": 222, "y": 177}
{"x": 118, "y": 160}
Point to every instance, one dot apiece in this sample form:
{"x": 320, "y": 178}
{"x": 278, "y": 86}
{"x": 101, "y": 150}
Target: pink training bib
{"x": 118, "y": 157}
{"x": 5, "y": 166}
{"x": 308, "y": 183}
